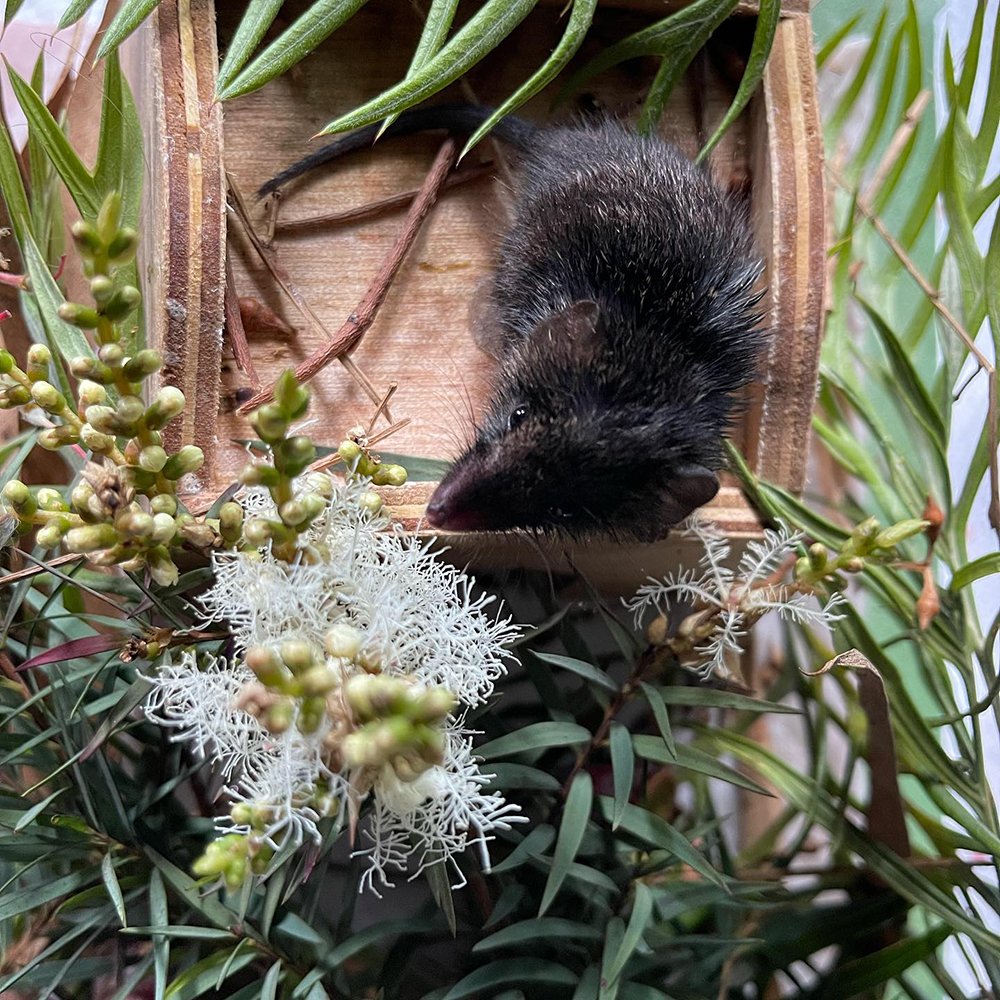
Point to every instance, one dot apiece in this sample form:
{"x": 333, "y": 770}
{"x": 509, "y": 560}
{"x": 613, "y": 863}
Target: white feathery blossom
{"x": 416, "y": 618}
{"x": 739, "y": 597}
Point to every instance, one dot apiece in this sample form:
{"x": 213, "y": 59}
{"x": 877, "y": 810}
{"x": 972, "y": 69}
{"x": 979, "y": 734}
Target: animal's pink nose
{"x": 447, "y": 510}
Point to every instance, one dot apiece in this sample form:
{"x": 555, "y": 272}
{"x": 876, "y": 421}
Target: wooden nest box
{"x": 420, "y": 339}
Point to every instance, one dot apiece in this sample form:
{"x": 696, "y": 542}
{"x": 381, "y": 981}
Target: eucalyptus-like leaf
{"x": 580, "y": 17}
{"x": 482, "y": 33}
{"x": 576, "y": 815}
{"x": 52, "y": 139}
{"x": 986, "y": 565}
{"x": 642, "y": 912}
{"x": 75, "y": 9}
{"x": 113, "y": 887}
{"x": 657, "y": 705}
{"x": 202, "y": 977}
{"x": 622, "y": 768}
{"x": 129, "y": 16}
{"x": 316, "y": 23}
{"x": 538, "y": 931}
{"x": 693, "y": 759}
{"x": 536, "y": 971}
{"x": 12, "y": 186}
{"x": 257, "y": 18}
{"x": 768, "y": 14}
{"x": 585, "y": 670}
{"x": 538, "y": 736}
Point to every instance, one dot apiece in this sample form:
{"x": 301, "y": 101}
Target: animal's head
{"x": 566, "y": 447}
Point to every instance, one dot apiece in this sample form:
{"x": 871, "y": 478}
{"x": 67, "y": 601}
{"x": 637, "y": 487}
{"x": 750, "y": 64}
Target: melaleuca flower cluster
{"x": 123, "y": 510}
{"x": 356, "y": 652}
{"x": 776, "y": 574}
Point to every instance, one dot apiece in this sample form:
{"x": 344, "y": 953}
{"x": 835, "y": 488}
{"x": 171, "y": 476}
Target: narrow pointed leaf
{"x": 585, "y": 670}
{"x": 87, "y": 646}
{"x": 53, "y": 140}
{"x": 706, "y": 697}
{"x": 484, "y": 980}
{"x": 763, "y": 38}
{"x": 657, "y": 705}
{"x": 74, "y": 11}
{"x": 642, "y": 910}
{"x": 581, "y": 15}
{"x": 480, "y": 35}
{"x": 110, "y": 878}
{"x": 36, "y": 810}
{"x": 538, "y": 931}
{"x": 130, "y": 15}
{"x": 576, "y": 814}
{"x": 538, "y": 736}
{"x": 117, "y": 167}
{"x": 622, "y": 769}
{"x": 12, "y": 186}
{"x": 984, "y": 566}
{"x": 256, "y": 19}
{"x": 319, "y": 20}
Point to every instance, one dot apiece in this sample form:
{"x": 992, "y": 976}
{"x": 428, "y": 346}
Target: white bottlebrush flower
{"x": 738, "y": 597}
{"x": 418, "y": 619}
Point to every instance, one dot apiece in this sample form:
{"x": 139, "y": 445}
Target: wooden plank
{"x": 790, "y": 214}
{"x": 172, "y": 68}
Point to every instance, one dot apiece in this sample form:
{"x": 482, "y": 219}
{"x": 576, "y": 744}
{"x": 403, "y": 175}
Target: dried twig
{"x": 348, "y": 336}
{"x": 238, "y": 209}
{"x": 41, "y": 567}
{"x": 375, "y": 209}
{"x": 911, "y": 119}
{"x": 235, "y": 329}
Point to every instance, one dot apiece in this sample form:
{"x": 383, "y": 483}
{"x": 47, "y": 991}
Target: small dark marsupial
{"x": 625, "y": 295}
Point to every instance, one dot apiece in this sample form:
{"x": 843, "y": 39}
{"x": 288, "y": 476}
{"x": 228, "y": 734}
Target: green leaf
{"x": 642, "y": 910}
{"x": 370, "y": 935}
{"x": 806, "y": 795}
{"x": 269, "y": 987}
{"x": 485, "y": 979}
{"x": 130, "y": 15}
{"x": 581, "y": 15}
{"x": 538, "y": 931}
{"x": 867, "y": 974}
{"x": 36, "y": 810}
{"x": 482, "y": 33}
{"x": 693, "y": 759}
{"x": 657, "y": 832}
{"x": 319, "y": 20}
{"x": 12, "y": 187}
{"x": 256, "y": 19}
{"x": 614, "y": 934}
{"x": 522, "y": 776}
{"x": 13, "y": 904}
{"x": 706, "y": 697}
{"x": 537, "y": 736}
{"x": 68, "y": 340}
{"x": 585, "y": 670}
{"x": 118, "y": 168}
{"x": 657, "y": 704}
{"x": 114, "y": 889}
{"x": 534, "y": 845}
{"x": 983, "y": 566}
{"x": 190, "y": 932}
{"x": 74, "y": 11}
{"x": 763, "y": 38}
{"x": 440, "y": 886}
{"x": 576, "y": 814}
{"x": 622, "y": 768}
{"x": 202, "y": 977}
{"x": 53, "y": 140}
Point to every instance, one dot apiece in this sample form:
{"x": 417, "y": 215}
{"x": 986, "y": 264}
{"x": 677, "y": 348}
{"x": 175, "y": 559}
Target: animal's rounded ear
{"x": 576, "y": 331}
{"x": 690, "y": 487}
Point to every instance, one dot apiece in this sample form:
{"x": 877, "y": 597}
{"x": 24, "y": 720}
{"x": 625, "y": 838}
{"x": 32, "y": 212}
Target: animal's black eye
{"x": 559, "y": 514}
{"x": 517, "y": 416}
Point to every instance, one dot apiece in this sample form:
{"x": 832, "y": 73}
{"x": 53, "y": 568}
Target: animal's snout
{"x": 450, "y": 509}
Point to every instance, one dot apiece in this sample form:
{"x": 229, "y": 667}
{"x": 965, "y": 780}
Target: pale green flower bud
{"x": 853, "y": 565}
{"x": 433, "y": 705}
{"x": 257, "y": 531}
{"x": 17, "y": 494}
{"x": 144, "y": 364}
{"x": 122, "y": 246}
{"x": 49, "y": 536}
{"x": 349, "y": 451}
{"x": 899, "y": 532}
{"x": 47, "y": 396}
{"x": 39, "y": 358}
{"x": 389, "y": 475}
{"x": 296, "y": 453}
{"x": 189, "y": 459}
{"x": 101, "y": 418}
{"x": 199, "y": 534}
{"x": 163, "y": 503}
{"x": 292, "y": 513}
{"x": 241, "y": 813}
{"x": 320, "y": 484}
{"x": 129, "y": 412}
{"x": 259, "y": 474}
{"x": 278, "y": 717}
{"x": 152, "y": 458}
{"x": 54, "y": 438}
{"x": 297, "y": 654}
{"x": 112, "y": 354}
{"x": 91, "y": 394}
{"x": 164, "y": 528}
{"x": 91, "y": 537}
{"x": 102, "y": 288}
{"x": 75, "y": 314}
{"x": 97, "y": 441}
{"x": 124, "y": 301}
{"x": 311, "y": 714}
{"x": 93, "y": 369}
{"x": 169, "y": 402}
{"x": 50, "y": 499}
{"x": 135, "y": 524}
{"x": 86, "y": 238}
{"x": 818, "y": 556}
{"x": 318, "y": 680}
{"x": 161, "y": 567}
{"x": 6, "y": 362}
{"x": 230, "y": 521}
{"x": 18, "y": 395}
{"x": 81, "y": 494}
{"x": 108, "y": 216}
{"x": 270, "y": 422}
{"x": 343, "y": 640}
